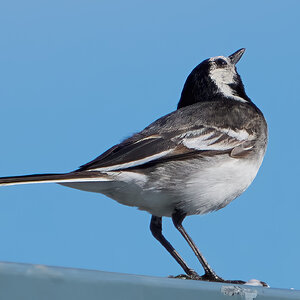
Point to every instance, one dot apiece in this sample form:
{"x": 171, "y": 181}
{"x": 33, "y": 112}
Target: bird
{"x": 192, "y": 161}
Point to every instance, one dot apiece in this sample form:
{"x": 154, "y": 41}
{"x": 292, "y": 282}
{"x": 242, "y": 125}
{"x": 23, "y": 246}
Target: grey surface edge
{"x": 26, "y": 281}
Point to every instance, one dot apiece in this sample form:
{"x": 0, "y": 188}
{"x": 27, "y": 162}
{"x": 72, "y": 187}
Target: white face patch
{"x": 223, "y": 77}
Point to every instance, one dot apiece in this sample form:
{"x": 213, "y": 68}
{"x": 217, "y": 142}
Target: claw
{"x": 193, "y": 275}
{"x": 186, "y": 277}
{"x": 212, "y": 278}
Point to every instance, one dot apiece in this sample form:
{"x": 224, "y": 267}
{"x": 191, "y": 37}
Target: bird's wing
{"x": 144, "y": 150}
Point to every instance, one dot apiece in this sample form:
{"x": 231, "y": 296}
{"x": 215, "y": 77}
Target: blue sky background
{"x": 77, "y": 77}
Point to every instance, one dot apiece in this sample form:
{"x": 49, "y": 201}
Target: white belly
{"x": 214, "y": 187}
{"x": 197, "y": 189}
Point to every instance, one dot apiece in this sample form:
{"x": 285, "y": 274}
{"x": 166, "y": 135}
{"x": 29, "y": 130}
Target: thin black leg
{"x": 156, "y": 229}
{"x": 210, "y": 274}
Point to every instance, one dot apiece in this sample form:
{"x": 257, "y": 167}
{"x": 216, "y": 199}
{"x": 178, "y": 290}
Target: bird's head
{"x": 215, "y": 78}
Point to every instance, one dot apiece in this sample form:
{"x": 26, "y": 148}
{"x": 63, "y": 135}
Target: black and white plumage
{"x": 194, "y": 160}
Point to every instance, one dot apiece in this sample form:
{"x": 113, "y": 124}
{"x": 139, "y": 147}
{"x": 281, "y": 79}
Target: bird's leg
{"x": 209, "y": 273}
{"x": 156, "y": 229}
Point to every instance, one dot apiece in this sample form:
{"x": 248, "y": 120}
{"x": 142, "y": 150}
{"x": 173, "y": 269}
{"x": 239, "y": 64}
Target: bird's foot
{"x": 193, "y": 275}
{"x": 215, "y": 278}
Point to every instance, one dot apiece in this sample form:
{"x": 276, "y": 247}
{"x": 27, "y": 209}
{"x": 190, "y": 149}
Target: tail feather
{"x": 54, "y": 178}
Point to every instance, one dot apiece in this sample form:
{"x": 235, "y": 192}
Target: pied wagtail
{"x": 194, "y": 160}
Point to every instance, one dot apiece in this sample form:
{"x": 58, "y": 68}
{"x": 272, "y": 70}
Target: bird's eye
{"x": 220, "y": 62}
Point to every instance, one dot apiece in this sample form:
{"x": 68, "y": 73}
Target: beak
{"x": 236, "y": 56}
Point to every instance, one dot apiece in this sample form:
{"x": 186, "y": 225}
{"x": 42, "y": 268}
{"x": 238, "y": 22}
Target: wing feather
{"x": 141, "y": 150}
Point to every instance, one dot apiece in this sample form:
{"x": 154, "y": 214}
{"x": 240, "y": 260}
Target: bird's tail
{"x": 72, "y": 177}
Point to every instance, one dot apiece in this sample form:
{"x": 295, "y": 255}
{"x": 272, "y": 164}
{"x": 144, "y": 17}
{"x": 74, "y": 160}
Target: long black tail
{"x": 81, "y": 176}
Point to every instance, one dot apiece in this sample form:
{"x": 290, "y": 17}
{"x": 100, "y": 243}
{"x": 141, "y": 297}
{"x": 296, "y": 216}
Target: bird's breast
{"x": 216, "y": 183}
